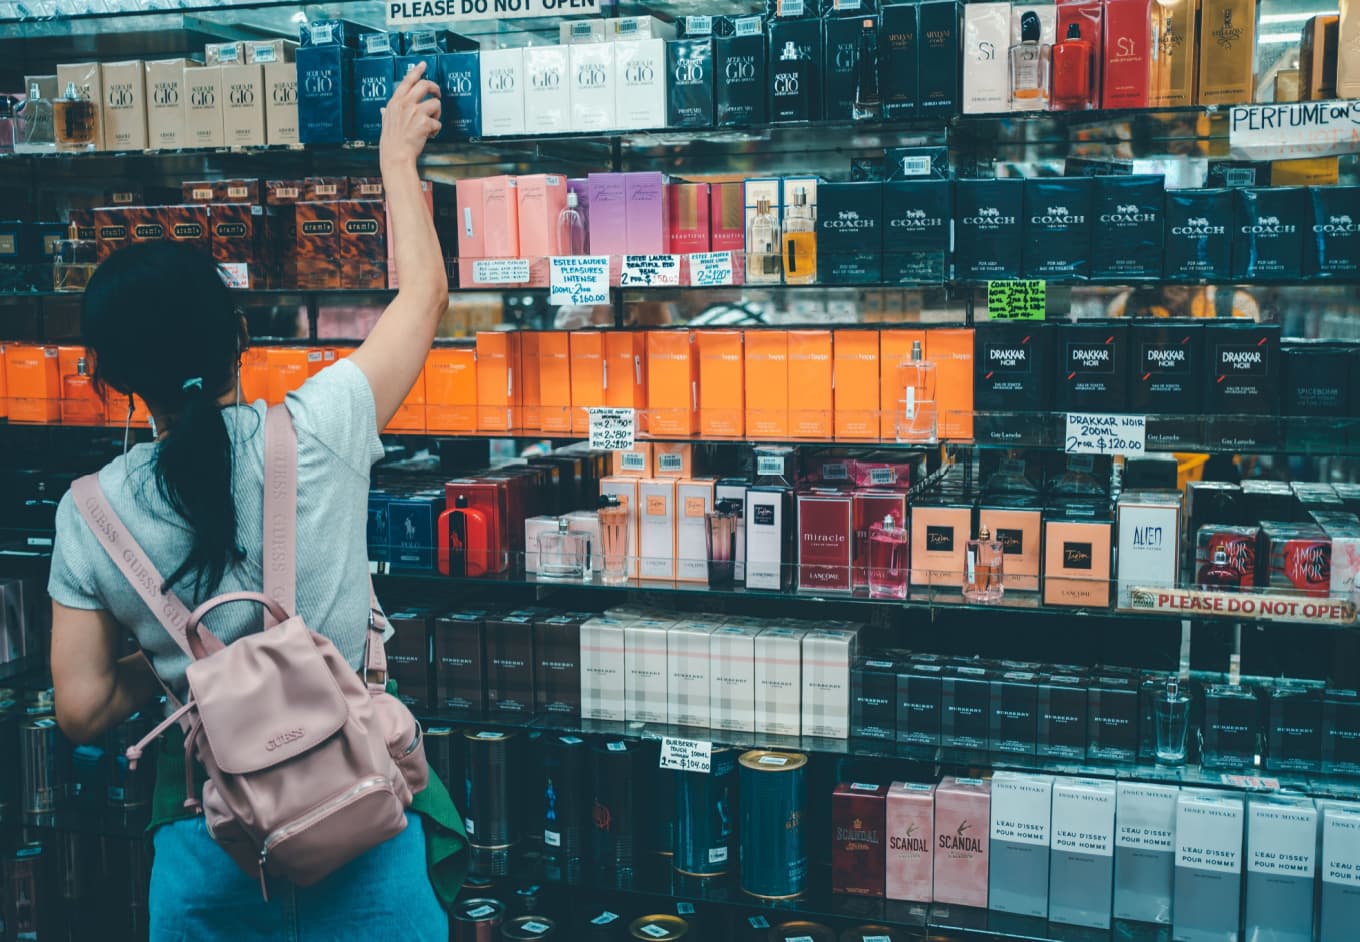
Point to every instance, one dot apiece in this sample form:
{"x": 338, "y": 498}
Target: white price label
{"x": 582, "y": 279}
{"x": 1090, "y": 433}
{"x": 707, "y": 269}
{"x": 604, "y": 918}
{"x": 686, "y": 755}
{"x": 500, "y": 271}
{"x": 537, "y": 928}
{"x": 717, "y": 855}
{"x": 234, "y": 274}
{"x": 650, "y": 271}
{"x": 481, "y": 911}
{"x": 408, "y": 13}
{"x": 552, "y": 838}
{"x": 769, "y": 466}
{"x": 612, "y": 429}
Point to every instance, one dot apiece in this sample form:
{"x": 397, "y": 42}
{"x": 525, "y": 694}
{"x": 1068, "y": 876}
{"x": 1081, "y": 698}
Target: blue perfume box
{"x": 461, "y": 81}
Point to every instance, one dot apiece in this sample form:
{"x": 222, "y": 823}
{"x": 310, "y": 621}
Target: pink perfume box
{"x": 963, "y": 821}
{"x": 648, "y": 223}
{"x": 541, "y": 197}
{"x": 500, "y": 207}
{"x": 471, "y": 227}
{"x": 608, "y": 214}
{"x": 911, "y": 842}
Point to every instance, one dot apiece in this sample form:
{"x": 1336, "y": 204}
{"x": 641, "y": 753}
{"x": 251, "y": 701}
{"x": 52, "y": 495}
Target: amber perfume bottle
{"x": 1220, "y": 574}
{"x": 983, "y": 562}
{"x": 800, "y": 241}
{"x": 74, "y": 121}
{"x": 888, "y": 564}
{"x": 1071, "y": 87}
{"x": 80, "y": 404}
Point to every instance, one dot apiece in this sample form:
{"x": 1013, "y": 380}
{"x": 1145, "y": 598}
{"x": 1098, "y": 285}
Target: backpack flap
{"x": 252, "y": 719}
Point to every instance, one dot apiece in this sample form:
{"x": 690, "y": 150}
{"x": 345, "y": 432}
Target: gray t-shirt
{"x": 338, "y": 443}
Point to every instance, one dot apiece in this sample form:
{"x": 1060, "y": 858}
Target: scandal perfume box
{"x": 873, "y": 698}
{"x": 859, "y": 834}
{"x": 917, "y": 230}
{"x": 1093, "y": 367}
{"x": 1145, "y": 851}
{"x": 1208, "y": 878}
{"x": 510, "y": 662}
{"x": 1298, "y": 557}
{"x": 687, "y": 660}
{"x": 850, "y": 233}
{"x": 557, "y": 667}
{"x": 1198, "y": 235}
{"x": 1082, "y": 863}
{"x": 987, "y": 231}
{"x": 910, "y": 855}
{"x": 1062, "y": 711}
{"x": 965, "y": 704}
{"x": 827, "y": 654}
{"x": 602, "y": 669}
{"x": 1018, "y": 871}
{"x": 1339, "y": 912}
{"x": 1271, "y": 224}
{"x": 459, "y": 663}
{"x": 732, "y": 687}
{"x": 408, "y": 656}
{"x": 1057, "y": 213}
{"x": 919, "y": 691}
{"x": 962, "y": 826}
{"x": 824, "y": 541}
{"x": 1282, "y": 844}
{"x": 1127, "y": 225}
{"x": 778, "y": 673}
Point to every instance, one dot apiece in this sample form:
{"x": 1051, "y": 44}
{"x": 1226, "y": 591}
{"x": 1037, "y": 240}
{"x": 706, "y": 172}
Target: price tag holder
{"x": 582, "y": 279}
{"x": 500, "y": 271}
{"x": 650, "y": 271}
{"x": 686, "y": 755}
{"x": 1090, "y": 433}
{"x": 709, "y": 269}
{"x": 612, "y": 429}
{"x": 1017, "y": 300}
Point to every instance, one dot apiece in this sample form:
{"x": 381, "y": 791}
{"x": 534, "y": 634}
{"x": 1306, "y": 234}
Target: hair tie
{"x": 193, "y": 382}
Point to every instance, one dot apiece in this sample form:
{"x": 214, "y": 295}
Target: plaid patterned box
{"x": 644, "y": 647}
{"x": 827, "y": 653}
{"x": 602, "y": 668}
{"x": 779, "y": 658}
{"x": 687, "y": 659}
{"x": 732, "y": 685}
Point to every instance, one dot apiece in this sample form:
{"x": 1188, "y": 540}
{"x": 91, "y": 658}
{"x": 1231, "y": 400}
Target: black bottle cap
{"x": 1029, "y": 27}
{"x": 1073, "y": 30}
{"x": 460, "y": 501}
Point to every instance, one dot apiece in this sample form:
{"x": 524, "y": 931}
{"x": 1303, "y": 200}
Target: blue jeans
{"x": 199, "y": 895}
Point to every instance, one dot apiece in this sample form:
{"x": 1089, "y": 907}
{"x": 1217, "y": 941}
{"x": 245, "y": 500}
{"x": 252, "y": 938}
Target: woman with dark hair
{"x": 161, "y": 326}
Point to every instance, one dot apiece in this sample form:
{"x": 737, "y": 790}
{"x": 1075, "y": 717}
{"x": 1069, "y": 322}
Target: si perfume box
{"x": 1282, "y": 845}
{"x": 911, "y": 842}
{"x": 1018, "y": 871}
{"x": 986, "y": 37}
{"x": 962, "y": 827}
{"x": 1145, "y": 852}
{"x": 1082, "y": 866}
{"x": 1208, "y": 877}
{"x": 859, "y": 827}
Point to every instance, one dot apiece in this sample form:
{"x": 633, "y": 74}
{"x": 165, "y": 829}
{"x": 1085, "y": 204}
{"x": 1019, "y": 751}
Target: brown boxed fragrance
{"x": 203, "y": 107}
{"x": 363, "y": 243}
{"x": 110, "y": 230}
{"x": 197, "y": 191}
{"x": 1227, "y": 52}
{"x": 858, "y": 823}
{"x": 187, "y": 223}
{"x": 238, "y": 233}
{"x": 325, "y": 188}
{"x": 88, "y": 80}
{"x": 557, "y": 649}
{"x": 166, "y": 94}
{"x": 144, "y": 224}
{"x": 317, "y": 246}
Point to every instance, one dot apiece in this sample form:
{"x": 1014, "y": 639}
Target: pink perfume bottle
{"x": 1220, "y": 574}
{"x": 983, "y": 561}
{"x": 888, "y": 567}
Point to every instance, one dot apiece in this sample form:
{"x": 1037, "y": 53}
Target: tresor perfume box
{"x": 1018, "y": 873}
{"x": 1082, "y": 868}
{"x": 1145, "y": 852}
{"x": 1208, "y": 880}
{"x": 1282, "y": 843}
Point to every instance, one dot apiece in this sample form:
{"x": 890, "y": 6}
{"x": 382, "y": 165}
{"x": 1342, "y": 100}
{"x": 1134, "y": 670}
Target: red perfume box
{"x": 1238, "y": 543}
{"x": 689, "y": 217}
{"x": 490, "y": 497}
{"x": 1299, "y": 557}
{"x": 825, "y": 543}
{"x": 1128, "y": 44}
{"x": 858, "y": 822}
{"x": 870, "y": 507}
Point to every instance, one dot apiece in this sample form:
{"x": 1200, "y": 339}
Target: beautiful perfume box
{"x": 1282, "y": 845}
{"x": 1127, "y": 227}
{"x": 324, "y": 104}
{"x": 689, "y": 98}
{"x": 732, "y": 687}
{"x": 408, "y": 656}
{"x": 1018, "y": 868}
{"x": 1227, "y": 52}
{"x": 1128, "y": 52}
{"x": 986, "y": 39}
{"x": 965, "y": 706}
{"x": 727, "y": 217}
{"x": 987, "y": 231}
{"x": 1208, "y": 876}
{"x": 1012, "y": 717}
{"x": 898, "y": 45}
{"x": 741, "y": 97}
{"x": 873, "y": 698}
{"x": 547, "y": 90}
{"x": 593, "y": 99}
{"x": 502, "y": 77}
{"x": 918, "y": 221}
{"x": 1057, "y": 227}
{"x": 1340, "y": 897}
{"x": 910, "y": 827}
{"x": 1082, "y": 865}
{"x": 920, "y": 704}
{"x": 778, "y": 678}
{"x": 603, "y": 669}
{"x": 645, "y": 671}
{"x": 687, "y": 212}
{"x": 768, "y": 527}
{"x": 693, "y": 500}
{"x": 962, "y": 826}
{"x": 827, "y": 655}
{"x": 859, "y": 838}
{"x": 125, "y": 105}
{"x": 640, "y": 83}
{"x": 939, "y": 52}
{"x": 165, "y": 98}
{"x": 689, "y": 681}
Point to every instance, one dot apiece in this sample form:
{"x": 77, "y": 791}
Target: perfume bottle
{"x": 984, "y": 560}
{"x": 1172, "y": 712}
{"x": 800, "y": 241}
{"x": 762, "y": 246}
{"x": 80, "y": 404}
{"x": 464, "y": 549}
{"x": 35, "y": 133}
{"x": 1030, "y": 66}
{"x": 562, "y": 554}
{"x": 888, "y": 568}
{"x": 73, "y": 263}
{"x": 1220, "y": 574}
{"x": 73, "y": 118}
{"x": 571, "y": 229}
{"x": 1071, "y": 83}
{"x": 7, "y": 125}
{"x": 614, "y": 540}
{"x": 721, "y": 534}
{"x": 868, "y": 104}
{"x": 790, "y": 83}
{"x": 917, "y": 412}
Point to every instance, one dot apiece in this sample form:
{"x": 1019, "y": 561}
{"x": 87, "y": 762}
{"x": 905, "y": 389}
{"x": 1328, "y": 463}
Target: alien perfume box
{"x": 1145, "y": 851}
{"x": 1082, "y": 867}
{"x": 1018, "y": 873}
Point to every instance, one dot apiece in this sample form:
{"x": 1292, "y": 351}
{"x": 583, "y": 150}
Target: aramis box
{"x": 1127, "y": 227}
{"x": 859, "y": 824}
{"x": 1145, "y": 852}
{"x": 911, "y": 841}
{"x": 317, "y": 246}
{"x": 459, "y": 662}
{"x": 1340, "y": 909}
{"x": 962, "y": 826}
{"x": 363, "y": 243}
{"x": 238, "y": 244}
{"x": 987, "y": 234}
{"x": 1018, "y": 871}
{"x": 1082, "y": 865}
{"x": 1208, "y": 879}
{"x": 1282, "y": 844}
{"x": 1057, "y": 213}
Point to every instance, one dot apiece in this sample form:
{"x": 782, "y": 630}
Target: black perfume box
{"x": 840, "y": 42}
{"x": 806, "y": 36}
{"x": 428, "y": 55}
{"x": 1268, "y": 500}
{"x": 1271, "y": 224}
{"x": 1127, "y": 226}
{"x": 897, "y": 52}
{"x": 1316, "y": 377}
{"x": 1243, "y": 375}
{"x": 1198, "y": 235}
{"x": 873, "y": 698}
{"x": 1112, "y": 719}
{"x": 1231, "y": 735}
{"x": 325, "y": 106}
{"x": 1013, "y": 366}
{"x": 689, "y": 93}
{"x": 1294, "y": 730}
{"x": 739, "y": 80}
{"x": 374, "y": 82}
{"x": 1013, "y": 715}
{"x": 918, "y": 224}
{"x": 1167, "y": 372}
{"x": 987, "y": 230}
{"x": 460, "y": 663}
{"x": 1341, "y": 732}
{"x": 919, "y": 687}
{"x": 1061, "y": 716}
{"x": 460, "y": 78}
{"x": 850, "y": 233}
{"x": 1334, "y": 242}
{"x": 1057, "y": 235}
{"x": 408, "y": 654}
{"x": 510, "y": 663}
{"x": 965, "y": 707}
{"x": 1092, "y": 367}
{"x": 939, "y": 56}
{"x": 557, "y": 665}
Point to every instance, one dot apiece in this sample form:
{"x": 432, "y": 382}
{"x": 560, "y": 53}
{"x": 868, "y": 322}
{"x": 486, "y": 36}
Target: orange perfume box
{"x": 554, "y": 382}
{"x": 1018, "y": 531}
{"x": 722, "y": 411}
{"x": 625, "y": 376}
{"x": 1077, "y": 563}
{"x": 68, "y": 359}
{"x": 672, "y": 459}
{"x": 4, "y": 385}
{"x": 635, "y": 461}
{"x": 626, "y": 490}
{"x": 528, "y": 380}
{"x": 938, "y": 538}
{"x": 288, "y": 369}
{"x": 254, "y": 376}
{"x": 116, "y": 411}
{"x": 894, "y": 347}
{"x": 856, "y": 384}
{"x": 951, "y": 350}
{"x": 497, "y": 362}
{"x": 500, "y": 213}
{"x": 33, "y": 378}
{"x": 451, "y": 389}
{"x": 767, "y": 384}
{"x": 471, "y": 227}
{"x": 810, "y": 384}
{"x": 671, "y": 381}
{"x": 587, "y": 377}
{"x": 410, "y": 415}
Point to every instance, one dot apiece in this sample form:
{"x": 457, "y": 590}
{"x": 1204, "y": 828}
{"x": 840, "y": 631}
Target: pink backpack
{"x": 309, "y": 765}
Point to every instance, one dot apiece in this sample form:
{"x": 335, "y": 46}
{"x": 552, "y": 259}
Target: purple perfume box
{"x": 608, "y": 214}
{"x": 648, "y": 232}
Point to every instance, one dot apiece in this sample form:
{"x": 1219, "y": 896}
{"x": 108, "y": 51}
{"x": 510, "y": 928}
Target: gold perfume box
{"x": 1227, "y": 52}
{"x": 280, "y": 103}
{"x": 243, "y": 105}
{"x": 203, "y": 106}
{"x": 1174, "y": 53}
{"x": 1348, "y": 50}
{"x": 165, "y": 97}
{"x": 124, "y": 105}
{"x": 88, "y": 80}
{"x": 1317, "y": 58}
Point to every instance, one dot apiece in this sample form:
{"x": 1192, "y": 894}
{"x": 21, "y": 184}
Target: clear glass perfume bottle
{"x": 1030, "y": 66}
{"x": 571, "y": 229}
{"x": 800, "y": 241}
{"x": 868, "y": 104}
{"x": 721, "y": 534}
{"x": 888, "y": 568}
{"x": 74, "y": 118}
{"x": 1220, "y": 573}
{"x": 614, "y": 540}
{"x": 762, "y": 246}
{"x": 984, "y": 561}
{"x": 562, "y": 553}
{"x": 80, "y": 405}
{"x": 35, "y": 132}
{"x": 73, "y": 264}
{"x": 1172, "y": 717}
{"x": 917, "y": 411}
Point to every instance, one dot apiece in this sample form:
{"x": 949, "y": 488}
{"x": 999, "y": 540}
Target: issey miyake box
{"x": 987, "y": 231}
{"x": 689, "y": 95}
{"x": 919, "y": 704}
{"x": 939, "y": 51}
{"x": 1012, "y": 367}
{"x": 1092, "y": 365}
{"x": 1339, "y": 912}
{"x": 898, "y": 46}
{"x": 1243, "y": 375}
{"x": 1282, "y": 844}
{"x": 962, "y": 827}
{"x": 1334, "y": 249}
{"x": 1208, "y": 881}
{"x": 911, "y": 841}
{"x": 1018, "y": 871}
{"x": 849, "y": 233}
{"x": 1126, "y": 233}
{"x": 1057, "y": 213}
{"x": 1145, "y": 851}
{"x": 1198, "y": 235}
{"x": 918, "y": 227}
{"x": 1082, "y": 865}
{"x": 739, "y": 63}
{"x": 1271, "y": 224}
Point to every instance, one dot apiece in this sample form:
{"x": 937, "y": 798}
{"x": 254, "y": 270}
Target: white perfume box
{"x": 587, "y": 523}
{"x": 203, "y": 106}
{"x": 280, "y": 103}
{"x": 732, "y": 684}
{"x": 1206, "y": 902}
{"x": 693, "y": 499}
{"x": 1018, "y": 862}
{"x": 638, "y": 27}
{"x": 640, "y": 83}
{"x": 656, "y": 528}
{"x": 1081, "y": 866}
{"x": 502, "y": 92}
{"x": 547, "y": 90}
{"x": 644, "y": 647}
{"x": 603, "y": 685}
{"x": 534, "y": 527}
{"x": 243, "y": 94}
{"x": 827, "y": 655}
{"x": 1340, "y": 910}
{"x": 779, "y": 676}
{"x": 687, "y": 660}
{"x": 986, "y": 45}
{"x": 765, "y": 537}
{"x": 1282, "y": 843}
{"x": 592, "y": 87}
{"x": 735, "y": 493}
{"x": 1148, "y": 551}
{"x": 1144, "y": 852}
{"x": 165, "y": 97}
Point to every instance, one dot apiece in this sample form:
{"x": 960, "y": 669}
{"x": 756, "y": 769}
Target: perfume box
{"x": 1148, "y": 551}
{"x": 203, "y": 113}
{"x": 768, "y": 527}
{"x": 871, "y": 507}
{"x": 1282, "y": 844}
{"x": 1057, "y": 227}
{"x": 873, "y": 698}
{"x": 726, "y": 217}
{"x": 325, "y": 106}
{"x": 1093, "y": 368}
{"x": 803, "y": 103}
{"x": 1112, "y": 719}
{"x": 626, "y": 362}
{"x": 810, "y": 361}
{"x": 243, "y": 91}
{"x": 693, "y": 499}
{"x": 939, "y": 52}
{"x": 962, "y": 827}
{"x": 689, "y": 681}
{"x": 1011, "y": 367}
{"x": 1017, "y": 525}
{"x": 1294, "y": 730}
{"x": 1088, "y": 16}
{"x": 1126, "y": 233}
{"x": 165, "y": 97}
{"x": 1271, "y": 231}
{"x": 1340, "y": 732}
{"x": 1128, "y": 52}
{"x": 1231, "y": 734}
{"x": 460, "y": 100}
{"x": 856, "y": 354}
{"x": 732, "y": 688}
{"x": 539, "y": 202}
{"x": 918, "y": 223}
{"x": 547, "y": 90}
{"x": 557, "y": 665}
{"x": 1227, "y": 52}
{"x": 741, "y": 98}
{"x": 965, "y": 707}
{"x": 951, "y": 350}
{"x": 656, "y": 528}
{"x": 1082, "y": 864}
{"x": 840, "y": 45}
{"x": 689, "y": 97}
{"x": 645, "y": 671}
{"x": 608, "y": 232}
{"x": 1208, "y": 876}
{"x": 1340, "y": 896}
{"x": 408, "y": 656}
{"x": 640, "y": 83}
{"x": 582, "y": 31}
{"x": 910, "y": 826}
{"x": 593, "y": 99}
{"x": 1145, "y": 851}
{"x": 1062, "y": 713}
{"x": 459, "y": 662}
{"x": 1167, "y": 373}
{"x": 733, "y": 490}
{"x": 1018, "y": 867}
{"x": 375, "y": 79}
{"x": 280, "y": 103}
{"x": 363, "y": 245}
{"x": 938, "y": 535}
{"x": 919, "y": 704}
{"x": 1239, "y": 544}
{"x": 648, "y": 225}
{"x": 238, "y": 243}
{"x": 1013, "y": 713}
{"x": 850, "y": 233}
{"x": 87, "y": 78}
{"x": 827, "y": 655}
{"x": 1316, "y": 377}
{"x": 1198, "y": 235}
{"x": 502, "y": 78}
{"x": 670, "y": 377}
{"x": 1076, "y": 562}
{"x": 1334, "y": 250}
{"x": 500, "y": 216}
{"x": 498, "y": 397}
{"x": 124, "y": 105}
{"x": 1244, "y": 368}
{"x": 825, "y": 529}
{"x": 317, "y": 245}
{"x": 898, "y": 48}
{"x": 1175, "y": 58}
{"x": 987, "y": 232}
{"x": 859, "y": 837}
{"x": 986, "y": 39}
{"x": 554, "y": 354}
{"x": 778, "y": 681}
{"x": 603, "y": 669}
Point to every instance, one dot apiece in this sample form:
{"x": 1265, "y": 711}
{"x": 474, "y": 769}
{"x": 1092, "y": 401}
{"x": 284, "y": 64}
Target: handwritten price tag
{"x": 580, "y": 279}
{"x": 686, "y": 755}
{"x": 500, "y": 271}
{"x": 707, "y": 269}
{"x": 650, "y": 271}
{"x": 1294, "y": 129}
{"x": 1094, "y": 434}
{"x": 612, "y": 429}
{"x": 1017, "y": 300}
